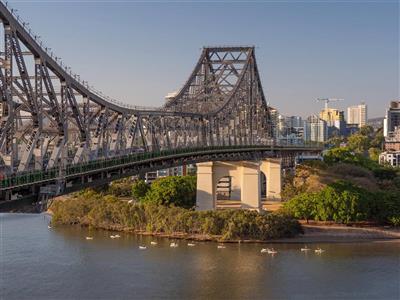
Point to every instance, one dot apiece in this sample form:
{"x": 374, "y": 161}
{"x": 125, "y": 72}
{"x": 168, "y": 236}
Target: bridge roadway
{"x": 74, "y": 177}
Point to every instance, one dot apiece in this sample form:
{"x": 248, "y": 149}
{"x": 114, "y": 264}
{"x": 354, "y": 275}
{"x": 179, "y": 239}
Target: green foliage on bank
{"x": 367, "y": 141}
{"x": 96, "y": 210}
{"x": 344, "y": 202}
{"x": 139, "y": 189}
{"x": 121, "y": 187}
{"x": 347, "y": 186}
{"x": 345, "y": 155}
{"x": 173, "y": 190}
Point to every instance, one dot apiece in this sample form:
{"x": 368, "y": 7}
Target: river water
{"x": 59, "y": 263}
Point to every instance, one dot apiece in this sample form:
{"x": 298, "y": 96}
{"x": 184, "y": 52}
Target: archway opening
{"x": 263, "y": 185}
{"x": 224, "y": 188}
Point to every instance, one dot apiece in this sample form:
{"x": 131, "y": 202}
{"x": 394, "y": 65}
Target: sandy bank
{"x": 312, "y": 234}
{"x": 339, "y": 233}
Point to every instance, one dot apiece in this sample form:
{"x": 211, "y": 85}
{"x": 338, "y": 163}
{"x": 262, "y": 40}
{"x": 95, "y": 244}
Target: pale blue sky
{"x": 140, "y": 51}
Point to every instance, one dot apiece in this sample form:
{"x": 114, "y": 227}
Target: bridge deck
{"x": 36, "y": 177}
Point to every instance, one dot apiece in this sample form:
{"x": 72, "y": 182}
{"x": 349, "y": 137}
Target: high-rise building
{"x": 334, "y": 118}
{"x": 315, "y": 129}
{"x": 357, "y": 114}
{"x": 290, "y": 130}
{"x": 274, "y": 114}
{"x": 392, "y": 118}
{"x": 392, "y": 141}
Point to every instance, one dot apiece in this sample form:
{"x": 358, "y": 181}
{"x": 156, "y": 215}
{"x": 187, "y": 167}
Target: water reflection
{"x": 60, "y": 263}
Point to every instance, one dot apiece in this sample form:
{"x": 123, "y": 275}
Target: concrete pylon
{"x": 245, "y": 179}
{"x": 272, "y": 168}
{"x": 205, "y": 193}
{"x": 250, "y": 186}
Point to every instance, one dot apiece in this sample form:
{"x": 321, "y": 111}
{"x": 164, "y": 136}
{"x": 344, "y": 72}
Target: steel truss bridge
{"x": 58, "y": 134}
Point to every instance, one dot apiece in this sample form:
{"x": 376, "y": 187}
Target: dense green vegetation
{"x": 367, "y": 142}
{"x": 345, "y": 155}
{"x": 139, "y": 189}
{"x": 94, "y": 209}
{"x": 120, "y": 188}
{"x": 173, "y": 190}
{"x": 348, "y": 186}
{"x": 344, "y": 202}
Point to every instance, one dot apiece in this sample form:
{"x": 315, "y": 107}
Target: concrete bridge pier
{"x": 250, "y": 187}
{"x": 242, "y": 180}
{"x": 272, "y": 168}
{"x": 205, "y": 193}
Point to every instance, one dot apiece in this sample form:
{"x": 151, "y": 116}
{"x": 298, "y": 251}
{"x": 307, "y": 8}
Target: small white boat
{"x": 142, "y": 247}
{"x": 221, "y": 247}
{"x": 117, "y": 236}
{"x": 173, "y": 245}
{"x": 305, "y": 249}
{"x": 112, "y": 236}
{"x": 191, "y": 244}
{"x": 271, "y": 251}
{"x": 153, "y": 243}
{"x": 319, "y": 250}
{"x": 89, "y": 238}
{"x": 263, "y": 250}
{"x": 48, "y": 226}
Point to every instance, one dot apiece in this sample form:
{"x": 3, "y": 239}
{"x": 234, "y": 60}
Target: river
{"x": 59, "y": 263}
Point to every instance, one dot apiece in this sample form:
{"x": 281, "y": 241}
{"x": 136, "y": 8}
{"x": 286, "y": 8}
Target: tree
{"x": 121, "y": 187}
{"x": 173, "y": 190}
{"x": 302, "y": 206}
{"x": 139, "y": 189}
{"x": 340, "y": 201}
{"x": 374, "y": 153}
{"x": 378, "y": 140}
{"x": 366, "y": 130}
{"x": 335, "y": 141}
{"x": 336, "y": 155}
{"x": 358, "y": 142}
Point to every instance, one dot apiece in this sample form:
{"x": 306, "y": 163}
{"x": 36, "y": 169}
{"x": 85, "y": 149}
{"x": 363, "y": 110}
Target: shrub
{"x": 121, "y": 187}
{"x": 139, "y": 189}
{"x": 110, "y": 213}
{"x": 302, "y": 206}
{"x": 341, "y": 202}
{"x": 385, "y": 173}
{"x": 345, "y": 202}
{"x": 346, "y": 169}
{"x": 395, "y": 220}
{"x": 172, "y": 190}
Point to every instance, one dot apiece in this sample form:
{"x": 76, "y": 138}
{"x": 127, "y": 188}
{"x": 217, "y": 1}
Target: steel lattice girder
{"x": 50, "y": 118}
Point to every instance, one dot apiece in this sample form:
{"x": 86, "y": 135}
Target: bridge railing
{"x": 32, "y": 177}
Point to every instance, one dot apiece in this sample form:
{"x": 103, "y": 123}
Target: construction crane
{"x": 327, "y": 100}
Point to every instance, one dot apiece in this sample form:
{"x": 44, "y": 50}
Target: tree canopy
{"x": 172, "y": 190}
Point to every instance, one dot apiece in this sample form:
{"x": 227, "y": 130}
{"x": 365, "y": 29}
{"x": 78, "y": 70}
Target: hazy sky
{"x": 140, "y": 51}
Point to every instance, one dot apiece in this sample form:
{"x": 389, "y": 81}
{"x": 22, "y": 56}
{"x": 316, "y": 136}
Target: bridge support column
{"x": 205, "y": 194}
{"x": 250, "y": 186}
{"x": 272, "y": 168}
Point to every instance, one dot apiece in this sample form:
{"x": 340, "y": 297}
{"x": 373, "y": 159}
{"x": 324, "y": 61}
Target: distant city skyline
{"x": 139, "y": 52}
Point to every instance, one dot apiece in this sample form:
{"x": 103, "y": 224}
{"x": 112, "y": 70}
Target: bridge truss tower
{"x": 50, "y": 117}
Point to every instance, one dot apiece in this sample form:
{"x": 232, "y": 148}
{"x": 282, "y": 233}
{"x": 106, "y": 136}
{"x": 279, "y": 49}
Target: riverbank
{"x": 312, "y": 234}
{"x": 110, "y": 213}
{"x": 343, "y": 234}
{"x": 229, "y": 226}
